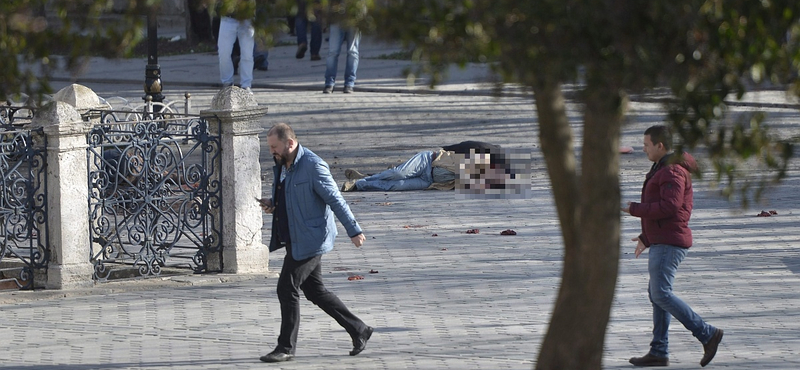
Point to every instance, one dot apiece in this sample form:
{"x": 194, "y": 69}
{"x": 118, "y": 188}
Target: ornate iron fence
{"x": 13, "y": 117}
{"x": 23, "y": 201}
{"x": 154, "y": 197}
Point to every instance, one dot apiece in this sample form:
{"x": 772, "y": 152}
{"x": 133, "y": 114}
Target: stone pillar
{"x": 67, "y": 194}
{"x": 243, "y": 252}
{"x": 80, "y": 97}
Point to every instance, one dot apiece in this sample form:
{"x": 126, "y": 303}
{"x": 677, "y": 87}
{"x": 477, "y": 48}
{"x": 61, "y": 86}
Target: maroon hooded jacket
{"x": 667, "y": 202}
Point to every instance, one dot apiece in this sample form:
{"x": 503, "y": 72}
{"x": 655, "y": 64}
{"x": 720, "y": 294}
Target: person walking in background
{"x": 340, "y": 34}
{"x": 236, "y": 23}
{"x": 302, "y": 22}
{"x": 304, "y": 200}
{"x": 665, "y": 209}
{"x": 260, "y": 50}
{"x": 260, "y": 59}
{"x": 260, "y": 47}
{"x": 290, "y": 24}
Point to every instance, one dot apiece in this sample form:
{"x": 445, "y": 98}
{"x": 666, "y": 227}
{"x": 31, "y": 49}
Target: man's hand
{"x": 358, "y": 240}
{"x": 627, "y": 209}
{"x": 639, "y": 246}
{"x": 266, "y": 205}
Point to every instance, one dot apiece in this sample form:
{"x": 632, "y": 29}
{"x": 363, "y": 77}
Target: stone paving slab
{"x": 451, "y": 301}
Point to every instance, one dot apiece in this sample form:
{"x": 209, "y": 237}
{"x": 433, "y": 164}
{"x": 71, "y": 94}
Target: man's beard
{"x": 280, "y": 159}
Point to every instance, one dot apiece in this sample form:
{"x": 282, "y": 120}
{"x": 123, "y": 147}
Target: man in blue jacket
{"x": 304, "y": 200}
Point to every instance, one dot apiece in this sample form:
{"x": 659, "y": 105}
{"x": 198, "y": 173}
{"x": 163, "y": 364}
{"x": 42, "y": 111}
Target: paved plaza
{"x": 441, "y": 298}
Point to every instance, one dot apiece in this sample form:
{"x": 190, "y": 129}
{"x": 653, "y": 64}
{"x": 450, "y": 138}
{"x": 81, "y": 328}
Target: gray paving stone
{"x": 451, "y": 301}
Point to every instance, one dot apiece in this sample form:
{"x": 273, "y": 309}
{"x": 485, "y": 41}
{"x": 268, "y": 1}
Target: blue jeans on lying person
{"x": 414, "y": 174}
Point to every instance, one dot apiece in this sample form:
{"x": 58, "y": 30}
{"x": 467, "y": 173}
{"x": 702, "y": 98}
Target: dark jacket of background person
{"x": 312, "y": 199}
{"x": 666, "y": 204}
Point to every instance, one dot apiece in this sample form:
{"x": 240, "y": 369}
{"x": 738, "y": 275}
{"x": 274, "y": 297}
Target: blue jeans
{"x": 336, "y": 39}
{"x": 414, "y": 174}
{"x": 301, "y": 29}
{"x": 229, "y": 31}
{"x": 663, "y": 262}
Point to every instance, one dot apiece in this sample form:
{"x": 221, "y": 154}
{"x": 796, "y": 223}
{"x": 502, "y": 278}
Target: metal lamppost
{"x": 152, "y": 74}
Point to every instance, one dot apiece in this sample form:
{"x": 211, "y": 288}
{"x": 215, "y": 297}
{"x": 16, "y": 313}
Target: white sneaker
{"x": 248, "y": 90}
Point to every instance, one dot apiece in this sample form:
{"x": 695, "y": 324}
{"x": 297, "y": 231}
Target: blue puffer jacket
{"x": 312, "y": 198}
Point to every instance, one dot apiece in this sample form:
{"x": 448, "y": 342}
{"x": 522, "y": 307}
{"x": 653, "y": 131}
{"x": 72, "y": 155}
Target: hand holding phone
{"x": 266, "y": 204}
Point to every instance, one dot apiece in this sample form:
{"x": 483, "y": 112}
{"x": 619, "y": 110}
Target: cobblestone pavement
{"x": 450, "y": 301}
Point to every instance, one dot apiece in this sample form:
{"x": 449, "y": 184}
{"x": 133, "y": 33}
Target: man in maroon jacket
{"x": 665, "y": 210}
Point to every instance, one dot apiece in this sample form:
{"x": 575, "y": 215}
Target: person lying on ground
{"x": 425, "y": 170}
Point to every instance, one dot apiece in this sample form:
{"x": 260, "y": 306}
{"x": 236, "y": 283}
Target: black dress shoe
{"x": 710, "y": 348}
{"x": 649, "y": 360}
{"x": 277, "y": 356}
{"x": 301, "y": 51}
{"x": 360, "y": 342}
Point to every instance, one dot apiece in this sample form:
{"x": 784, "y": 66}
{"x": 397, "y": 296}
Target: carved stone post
{"x": 67, "y": 194}
{"x": 243, "y": 252}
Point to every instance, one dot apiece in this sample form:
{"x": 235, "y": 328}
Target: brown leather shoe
{"x": 649, "y": 360}
{"x": 710, "y": 348}
{"x": 353, "y": 174}
{"x": 349, "y": 185}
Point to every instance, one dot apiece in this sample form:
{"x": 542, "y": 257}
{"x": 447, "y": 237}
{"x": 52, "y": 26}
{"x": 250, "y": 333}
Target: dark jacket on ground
{"x": 479, "y": 147}
{"x": 667, "y": 202}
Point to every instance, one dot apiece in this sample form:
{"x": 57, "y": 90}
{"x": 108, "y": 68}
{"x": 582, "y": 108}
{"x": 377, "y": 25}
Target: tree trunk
{"x": 588, "y": 207}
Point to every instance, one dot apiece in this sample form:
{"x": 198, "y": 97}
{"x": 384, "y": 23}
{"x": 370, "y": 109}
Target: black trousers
{"x": 306, "y": 275}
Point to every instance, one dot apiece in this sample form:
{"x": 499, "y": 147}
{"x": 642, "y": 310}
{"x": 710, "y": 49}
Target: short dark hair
{"x": 282, "y": 131}
{"x": 660, "y": 134}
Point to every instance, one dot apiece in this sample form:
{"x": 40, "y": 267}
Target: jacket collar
{"x": 300, "y": 153}
{"x": 661, "y": 162}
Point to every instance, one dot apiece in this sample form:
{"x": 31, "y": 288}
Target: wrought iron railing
{"x": 155, "y": 193}
{"x": 13, "y": 117}
{"x": 23, "y": 202}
